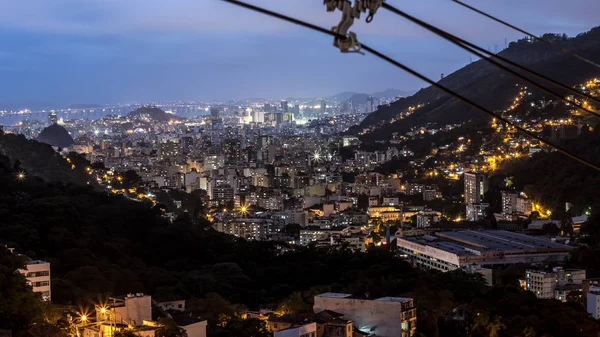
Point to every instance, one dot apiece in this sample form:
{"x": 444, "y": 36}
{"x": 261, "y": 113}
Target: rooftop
{"x": 381, "y": 299}
{"x": 501, "y": 240}
{"x": 36, "y": 262}
{"x": 475, "y": 242}
{"x": 394, "y": 299}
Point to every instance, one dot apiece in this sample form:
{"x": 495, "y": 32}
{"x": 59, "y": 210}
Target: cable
{"x": 527, "y": 33}
{"x": 420, "y": 76}
{"x": 472, "y": 48}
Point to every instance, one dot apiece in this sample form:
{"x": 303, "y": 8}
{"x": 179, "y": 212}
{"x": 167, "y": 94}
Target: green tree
{"x": 295, "y": 303}
{"x": 20, "y": 307}
{"x": 170, "y": 328}
{"x": 126, "y": 333}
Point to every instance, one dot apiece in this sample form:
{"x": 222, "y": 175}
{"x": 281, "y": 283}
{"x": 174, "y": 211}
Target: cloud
{"x": 75, "y": 50}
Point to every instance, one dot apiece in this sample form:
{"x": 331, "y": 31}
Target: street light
{"x": 243, "y": 209}
{"x": 83, "y": 318}
{"x": 112, "y": 320}
{"x": 21, "y": 176}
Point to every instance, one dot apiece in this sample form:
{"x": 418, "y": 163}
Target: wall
{"x": 38, "y": 275}
{"x": 298, "y": 331}
{"x": 135, "y": 311}
{"x": 196, "y": 329}
{"x": 365, "y": 314}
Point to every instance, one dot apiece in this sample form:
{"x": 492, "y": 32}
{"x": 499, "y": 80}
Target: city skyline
{"x": 110, "y": 52}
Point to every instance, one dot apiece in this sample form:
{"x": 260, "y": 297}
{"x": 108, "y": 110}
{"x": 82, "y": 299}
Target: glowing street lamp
{"x": 83, "y": 318}
{"x": 316, "y": 157}
{"x": 243, "y": 210}
{"x": 21, "y": 176}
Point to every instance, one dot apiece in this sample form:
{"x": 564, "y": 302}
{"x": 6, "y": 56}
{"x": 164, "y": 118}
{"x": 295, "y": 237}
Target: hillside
{"x": 151, "y": 113}
{"x": 361, "y": 98}
{"x": 486, "y": 85}
{"x": 56, "y": 135}
{"x": 38, "y": 159}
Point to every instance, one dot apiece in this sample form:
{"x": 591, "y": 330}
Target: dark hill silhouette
{"x": 38, "y": 159}
{"x": 56, "y": 135}
{"x": 489, "y": 86}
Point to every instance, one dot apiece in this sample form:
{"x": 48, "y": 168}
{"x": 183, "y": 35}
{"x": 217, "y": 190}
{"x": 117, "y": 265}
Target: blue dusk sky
{"x": 110, "y": 51}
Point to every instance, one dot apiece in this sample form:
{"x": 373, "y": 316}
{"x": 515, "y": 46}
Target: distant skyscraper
{"x": 284, "y": 106}
{"x": 323, "y": 106}
{"x": 267, "y": 107}
{"x": 258, "y": 116}
{"x": 297, "y": 110}
{"x": 52, "y": 118}
{"x": 216, "y": 126}
{"x": 185, "y": 143}
{"x": 215, "y": 113}
{"x": 476, "y": 184}
{"x": 369, "y": 106}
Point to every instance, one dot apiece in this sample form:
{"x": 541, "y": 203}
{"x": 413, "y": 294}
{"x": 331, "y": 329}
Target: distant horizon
{"x": 52, "y": 105}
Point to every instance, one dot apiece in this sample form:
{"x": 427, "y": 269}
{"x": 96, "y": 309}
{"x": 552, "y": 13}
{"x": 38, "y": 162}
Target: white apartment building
{"x": 386, "y": 316}
{"x": 37, "y": 273}
{"x": 546, "y": 284}
{"x": 593, "y": 302}
{"x": 426, "y": 218}
{"x": 246, "y": 228}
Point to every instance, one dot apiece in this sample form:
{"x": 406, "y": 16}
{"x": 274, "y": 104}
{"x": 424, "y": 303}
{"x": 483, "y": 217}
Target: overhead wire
{"x": 553, "y": 45}
{"x": 418, "y": 75}
{"x": 476, "y": 50}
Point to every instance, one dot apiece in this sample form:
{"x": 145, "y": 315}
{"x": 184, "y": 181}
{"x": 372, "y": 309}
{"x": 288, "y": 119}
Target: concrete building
{"x": 386, "y": 316}
{"x": 246, "y": 228}
{"x": 477, "y": 211}
{"x": 37, "y": 273}
{"x": 452, "y": 250}
{"x": 431, "y": 194}
{"x": 593, "y": 302}
{"x": 328, "y": 324}
{"x": 132, "y": 309}
{"x": 513, "y": 204}
{"x": 193, "y": 327}
{"x": 354, "y": 242}
{"x": 213, "y": 162}
{"x": 524, "y": 206}
{"x": 426, "y": 218}
{"x": 509, "y": 203}
{"x": 171, "y": 304}
{"x": 304, "y": 330}
{"x": 552, "y": 284}
{"x": 476, "y": 185}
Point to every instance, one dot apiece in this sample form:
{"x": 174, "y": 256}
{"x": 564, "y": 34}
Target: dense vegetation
{"x": 487, "y": 85}
{"x": 102, "y": 244}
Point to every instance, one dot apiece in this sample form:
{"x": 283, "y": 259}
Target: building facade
{"x": 37, "y": 273}
{"x": 453, "y": 250}
{"x": 386, "y": 316}
{"x": 551, "y": 284}
{"x": 476, "y": 185}
{"x": 593, "y": 302}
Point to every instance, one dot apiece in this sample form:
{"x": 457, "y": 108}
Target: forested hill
{"x": 36, "y": 159}
{"x": 487, "y": 85}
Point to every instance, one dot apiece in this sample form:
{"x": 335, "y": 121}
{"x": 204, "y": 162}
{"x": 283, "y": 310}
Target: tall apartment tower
{"x": 476, "y": 185}
{"x": 284, "y": 106}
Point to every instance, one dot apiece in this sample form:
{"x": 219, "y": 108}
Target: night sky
{"x": 110, "y": 51}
